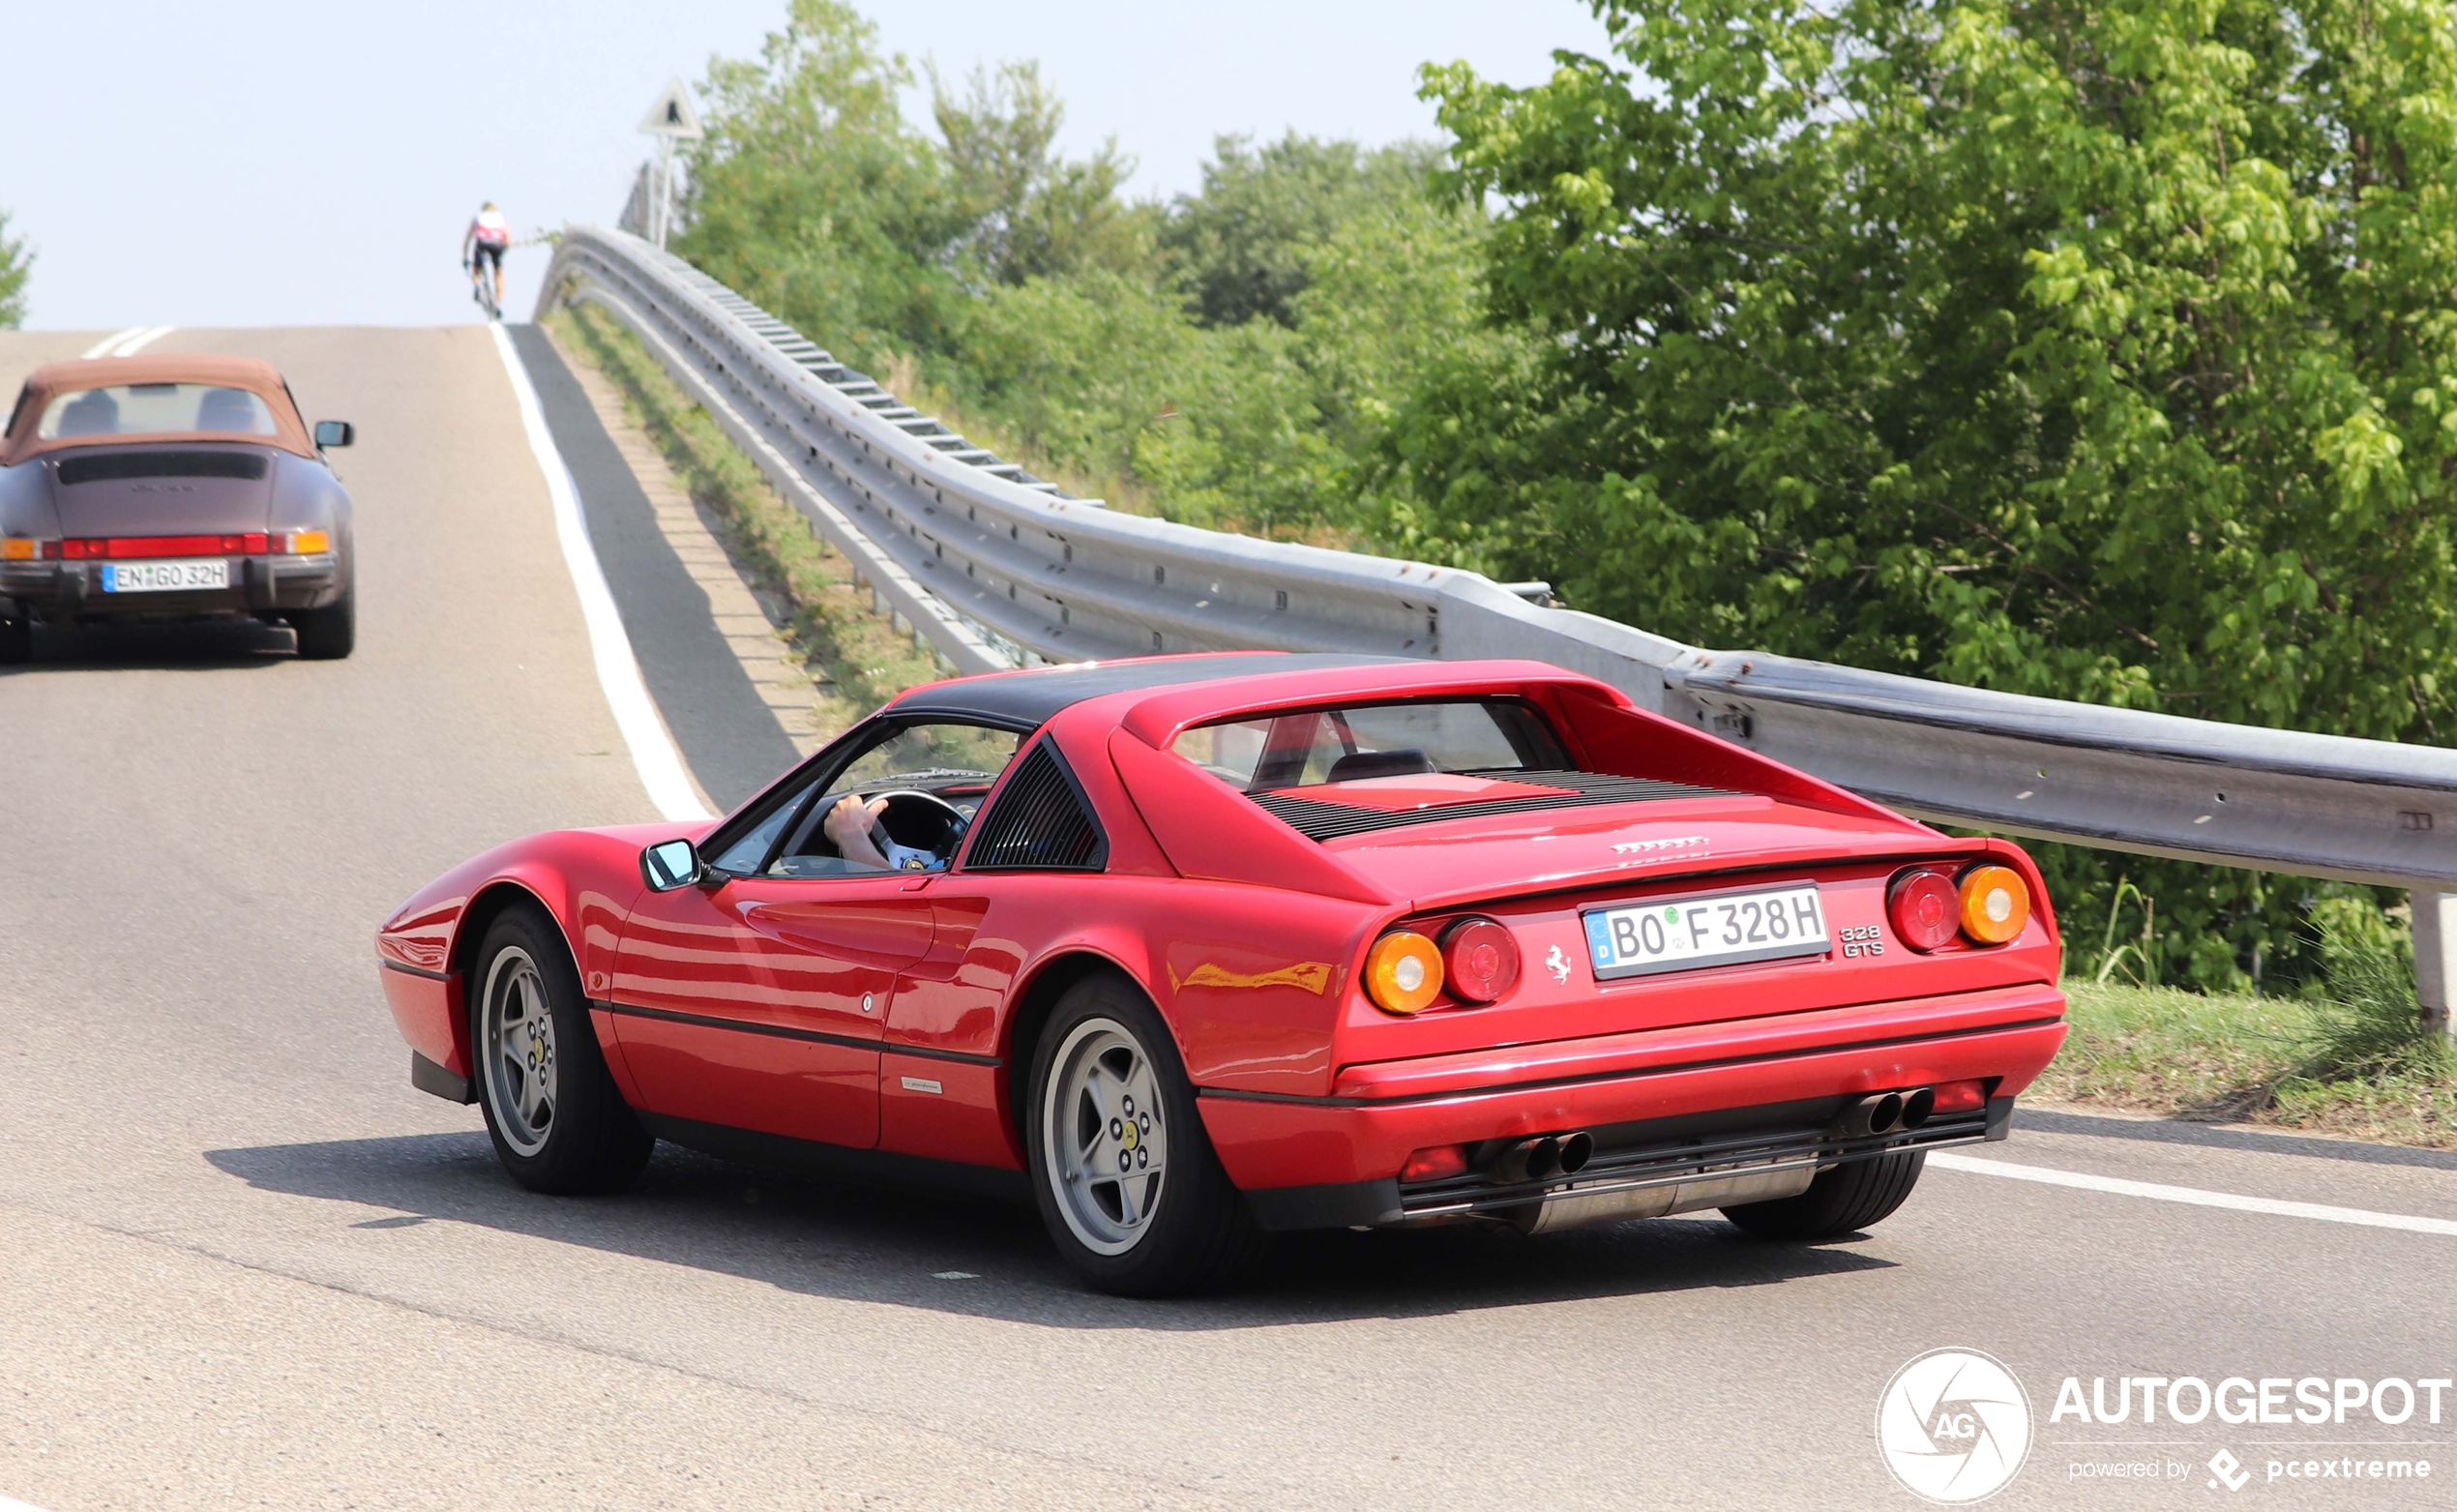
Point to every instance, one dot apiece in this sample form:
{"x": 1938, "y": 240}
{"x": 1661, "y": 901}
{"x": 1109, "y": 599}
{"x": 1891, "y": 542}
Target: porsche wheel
{"x": 1124, "y": 1172}
{"x": 328, "y": 634}
{"x": 559, "y": 1123}
{"x": 1842, "y": 1201}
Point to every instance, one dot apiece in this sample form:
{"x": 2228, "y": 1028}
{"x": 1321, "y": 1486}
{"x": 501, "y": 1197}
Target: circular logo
{"x": 1953, "y": 1426}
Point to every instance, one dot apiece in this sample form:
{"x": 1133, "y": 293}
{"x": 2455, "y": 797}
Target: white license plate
{"x": 1719, "y": 929}
{"x": 165, "y": 576}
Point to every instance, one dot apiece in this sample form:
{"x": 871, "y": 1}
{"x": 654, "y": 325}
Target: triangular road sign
{"x": 672, "y": 115}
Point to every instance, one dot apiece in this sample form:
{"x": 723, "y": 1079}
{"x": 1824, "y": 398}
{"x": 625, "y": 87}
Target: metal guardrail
{"x": 994, "y": 567}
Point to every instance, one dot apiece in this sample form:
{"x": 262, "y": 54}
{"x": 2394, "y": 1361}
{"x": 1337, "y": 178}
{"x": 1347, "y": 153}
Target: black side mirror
{"x": 669, "y": 865}
{"x": 335, "y": 432}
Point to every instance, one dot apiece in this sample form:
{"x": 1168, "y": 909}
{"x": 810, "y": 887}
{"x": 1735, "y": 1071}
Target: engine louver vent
{"x": 1040, "y": 823}
{"x": 1316, "y": 820}
{"x": 115, "y": 466}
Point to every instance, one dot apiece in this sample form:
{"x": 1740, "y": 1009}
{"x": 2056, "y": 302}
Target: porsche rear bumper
{"x": 56, "y": 590}
{"x": 1320, "y": 1162}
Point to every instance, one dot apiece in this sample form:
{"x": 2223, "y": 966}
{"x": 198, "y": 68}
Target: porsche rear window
{"x": 156, "y": 409}
{"x": 1366, "y": 742}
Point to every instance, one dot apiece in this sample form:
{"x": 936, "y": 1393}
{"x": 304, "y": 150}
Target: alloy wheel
{"x": 1105, "y": 1139}
{"x": 518, "y": 1034}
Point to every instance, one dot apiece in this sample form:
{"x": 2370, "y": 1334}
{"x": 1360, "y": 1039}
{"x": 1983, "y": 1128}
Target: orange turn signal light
{"x": 302, "y": 543}
{"x": 16, "y": 549}
{"x": 1403, "y": 972}
{"x": 1996, "y": 903}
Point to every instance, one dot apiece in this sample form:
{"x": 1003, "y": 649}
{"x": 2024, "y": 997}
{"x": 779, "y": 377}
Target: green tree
{"x": 813, "y": 195}
{"x": 1033, "y": 214}
{"x": 2096, "y": 349}
{"x": 1241, "y": 247}
{"x": 16, "y": 266}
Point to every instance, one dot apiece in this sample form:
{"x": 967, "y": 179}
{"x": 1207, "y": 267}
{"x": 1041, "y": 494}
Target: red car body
{"x": 893, "y": 1013}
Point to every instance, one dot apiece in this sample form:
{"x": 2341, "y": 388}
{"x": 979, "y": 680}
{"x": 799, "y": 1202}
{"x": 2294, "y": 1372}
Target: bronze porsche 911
{"x": 172, "y": 488}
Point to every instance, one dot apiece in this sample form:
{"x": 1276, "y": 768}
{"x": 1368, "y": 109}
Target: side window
{"x": 751, "y": 847}
{"x": 904, "y": 802}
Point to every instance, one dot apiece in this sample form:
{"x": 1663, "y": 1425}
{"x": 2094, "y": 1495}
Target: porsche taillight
{"x": 1403, "y": 972}
{"x": 1923, "y": 908}
{"x": 18, "y": 548}
{"x": 1479, "y": 959}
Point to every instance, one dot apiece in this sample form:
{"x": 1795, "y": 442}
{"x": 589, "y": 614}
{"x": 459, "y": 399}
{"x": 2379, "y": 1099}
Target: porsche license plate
{"x": 165, "y": 576}
{"x": 1720, "y": 930}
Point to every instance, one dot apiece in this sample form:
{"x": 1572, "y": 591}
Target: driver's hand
{"x": 848, "y": 822}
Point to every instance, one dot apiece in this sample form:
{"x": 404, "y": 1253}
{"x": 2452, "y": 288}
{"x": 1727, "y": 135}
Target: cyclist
{"x": 488, "y": 234}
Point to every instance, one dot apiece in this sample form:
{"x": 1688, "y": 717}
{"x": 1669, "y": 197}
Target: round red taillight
{"x": 1479, "y": 960}
{"x": 1924, "y": 908}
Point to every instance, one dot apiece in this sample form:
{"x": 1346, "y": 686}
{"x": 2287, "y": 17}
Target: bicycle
{"x": 482, "y": 288}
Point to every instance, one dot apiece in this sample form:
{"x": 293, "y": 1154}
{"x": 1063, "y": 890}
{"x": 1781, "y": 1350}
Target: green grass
{"x": 856, "y": 658}
{"x": 2287, "y": 1062}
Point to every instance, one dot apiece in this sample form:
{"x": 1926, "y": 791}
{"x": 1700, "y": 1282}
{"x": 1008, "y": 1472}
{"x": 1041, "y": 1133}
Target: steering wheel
{"x": 915, "y": 825}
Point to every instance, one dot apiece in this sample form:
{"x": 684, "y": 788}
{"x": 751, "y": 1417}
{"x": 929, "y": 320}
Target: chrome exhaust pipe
{"x": 1917, "y": 1106}
{"x": 1543, "y": 1157}
{"x": 1880, "y": 1113}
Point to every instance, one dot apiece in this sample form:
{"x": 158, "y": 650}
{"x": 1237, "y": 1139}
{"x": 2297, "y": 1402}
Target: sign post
{"x": 671, "y": 119}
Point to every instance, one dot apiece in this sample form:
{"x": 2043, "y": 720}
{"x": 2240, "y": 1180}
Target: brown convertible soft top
{"x": 261, "y": 379}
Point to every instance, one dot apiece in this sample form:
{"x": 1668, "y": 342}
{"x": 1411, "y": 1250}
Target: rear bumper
{"x": 1656, "y": 1156}
{"x": 1280, "y": 1149}
{"x": 258, "y": 585}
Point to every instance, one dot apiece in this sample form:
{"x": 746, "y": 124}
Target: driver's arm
{"x": 848, "y": 822}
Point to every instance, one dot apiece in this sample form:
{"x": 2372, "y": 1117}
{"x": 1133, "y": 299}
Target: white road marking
{"x": 104, "y": 348}
{"x": 652, "y": 749}
{"x": 7, "y": 1505}
{"x": 142, "y": 340}
{"x": 2193, "y": 1197}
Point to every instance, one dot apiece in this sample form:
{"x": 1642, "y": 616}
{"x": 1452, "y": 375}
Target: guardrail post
{"x": 2434, "y": 956}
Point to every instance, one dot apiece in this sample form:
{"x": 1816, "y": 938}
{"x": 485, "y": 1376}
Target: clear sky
{"x": 288, "y": 162}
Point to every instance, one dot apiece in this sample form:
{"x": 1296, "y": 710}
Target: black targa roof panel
{"x": 1033, "y": 695}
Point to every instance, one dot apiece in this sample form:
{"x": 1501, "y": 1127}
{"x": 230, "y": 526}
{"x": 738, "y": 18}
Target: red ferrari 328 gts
{"x": 1200, "y": 947}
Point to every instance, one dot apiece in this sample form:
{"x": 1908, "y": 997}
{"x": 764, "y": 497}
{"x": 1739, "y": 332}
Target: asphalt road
{"x": 241, "y": 1264}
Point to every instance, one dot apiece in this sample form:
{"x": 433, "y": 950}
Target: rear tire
{"x": 558, "y": 1122}
{"x": 328, "y": 634}
{"x": 1107, "y": 1086}
{"x": 16, "y": 642}
{"x": 1845, "y": 1200}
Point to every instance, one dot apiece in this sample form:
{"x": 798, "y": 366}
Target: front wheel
{"x": 558, "y": 1122}
{"x": 1124, "y": 1175}
{"x": 1842, "y": 1201}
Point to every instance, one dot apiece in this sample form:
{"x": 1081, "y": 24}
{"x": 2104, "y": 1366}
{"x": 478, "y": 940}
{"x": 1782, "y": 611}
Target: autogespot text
{"x": 2309, "y": 1400}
